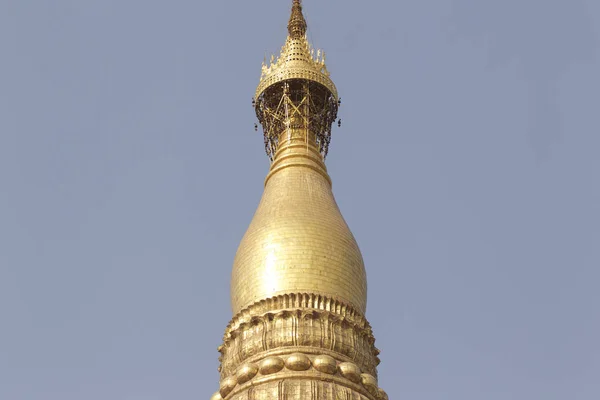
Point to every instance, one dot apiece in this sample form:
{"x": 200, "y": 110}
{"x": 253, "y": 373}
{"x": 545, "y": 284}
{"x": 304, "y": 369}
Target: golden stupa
{"x": 298, "y": 285}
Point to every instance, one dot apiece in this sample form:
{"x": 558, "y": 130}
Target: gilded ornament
{"x": 246, "y": 372}
{"x": 227, "y": 385}
{"x": 350, "y": 371}
{"x": 316, "y": 329}
{"x": 271, "y": 365}
{"x": 302, "y": 301}
{"x": 296, "y": 90}
{"x": 325, "y": 364}
{"x": 370, "y": 383}
{"x": 297, "y": 362}
{"x": 216, "y": 396}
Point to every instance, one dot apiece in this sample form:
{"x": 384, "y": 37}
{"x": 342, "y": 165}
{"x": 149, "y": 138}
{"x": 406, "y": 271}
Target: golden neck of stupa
{"x": 298, "y": 148}
{"x": 298, "y": 285}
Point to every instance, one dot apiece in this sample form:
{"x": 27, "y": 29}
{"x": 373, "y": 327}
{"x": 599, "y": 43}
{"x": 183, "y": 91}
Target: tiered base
{"x": 299, "y": 346}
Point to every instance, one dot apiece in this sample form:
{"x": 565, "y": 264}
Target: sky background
{"x": 467, "y": 167}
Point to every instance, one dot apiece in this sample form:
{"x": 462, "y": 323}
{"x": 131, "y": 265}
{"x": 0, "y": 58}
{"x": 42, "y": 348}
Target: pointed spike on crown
{"x": 297, "y": 24}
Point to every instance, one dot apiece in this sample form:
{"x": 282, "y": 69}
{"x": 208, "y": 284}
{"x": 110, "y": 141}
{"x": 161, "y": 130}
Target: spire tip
{"x": 297, "y": 24}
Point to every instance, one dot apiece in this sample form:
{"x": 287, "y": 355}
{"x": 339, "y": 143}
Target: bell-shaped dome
{"x": 298, "y": 241}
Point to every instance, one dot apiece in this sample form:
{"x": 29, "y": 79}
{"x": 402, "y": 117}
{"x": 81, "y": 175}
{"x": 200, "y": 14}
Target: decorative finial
{"x": 297, "y": 24}
{"x": 296, "y": 93}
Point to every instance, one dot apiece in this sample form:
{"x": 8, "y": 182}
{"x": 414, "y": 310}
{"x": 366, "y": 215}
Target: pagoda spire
{"x": 295, "y": 90}
{"x": 298, "y": 284}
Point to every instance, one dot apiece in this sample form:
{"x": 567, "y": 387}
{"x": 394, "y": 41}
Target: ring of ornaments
{"x": 300, "y": 362}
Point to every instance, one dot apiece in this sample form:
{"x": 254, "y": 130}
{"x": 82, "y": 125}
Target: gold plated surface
{"x": 298, "y": 240}
{"x": 298, "y": 284}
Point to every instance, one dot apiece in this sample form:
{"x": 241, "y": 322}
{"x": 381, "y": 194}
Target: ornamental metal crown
{"x": 295, "y": 91}
{"x": 297, "y": 60}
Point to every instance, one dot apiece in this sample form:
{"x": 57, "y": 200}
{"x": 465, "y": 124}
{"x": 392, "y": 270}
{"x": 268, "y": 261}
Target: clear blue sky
{"x": 467, "y": 167}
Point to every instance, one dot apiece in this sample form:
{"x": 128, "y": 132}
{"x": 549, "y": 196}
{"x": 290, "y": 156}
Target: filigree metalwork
{"x": 295, "y": 91}
{"x": 296, "y": 104}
